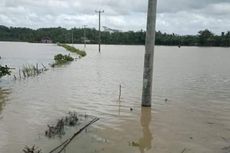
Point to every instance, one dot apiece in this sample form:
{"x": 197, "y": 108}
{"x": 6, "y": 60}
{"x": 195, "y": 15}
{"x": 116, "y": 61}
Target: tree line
{"x": 62, "y": 35}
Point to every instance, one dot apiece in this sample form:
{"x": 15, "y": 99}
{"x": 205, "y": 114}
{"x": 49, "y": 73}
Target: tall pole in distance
{"x": 99, "y": 28}
{"x": 72, "y": 37}
{"x": 84, "y": 36}
{"x": 149, "y": 54}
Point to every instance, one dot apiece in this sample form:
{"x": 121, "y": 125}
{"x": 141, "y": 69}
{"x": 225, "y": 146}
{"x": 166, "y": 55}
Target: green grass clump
{"x": 62, "y": 59}
{"x": 4, "y": 70}
{"x": 72, "y": 49}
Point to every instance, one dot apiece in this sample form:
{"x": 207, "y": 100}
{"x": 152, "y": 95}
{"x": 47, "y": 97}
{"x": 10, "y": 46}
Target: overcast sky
{"x": 173, "y": 16}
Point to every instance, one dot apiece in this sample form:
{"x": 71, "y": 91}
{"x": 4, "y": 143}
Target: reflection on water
{"x": 3, "y": 98}
{"x": 145, "y": 142}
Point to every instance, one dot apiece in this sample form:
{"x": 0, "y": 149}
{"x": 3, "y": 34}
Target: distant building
{"x": 46, "y": 40}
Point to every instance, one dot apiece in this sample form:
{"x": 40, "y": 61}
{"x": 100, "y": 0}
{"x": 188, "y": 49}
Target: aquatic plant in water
{"x": 58, "y": 129}
{"x": 71, "y": 120}
{"x": 32, "y": 149}
{"x": 31, "y": 70}
{"x": 62, "y": 59}
{"x": 4, "y": 70}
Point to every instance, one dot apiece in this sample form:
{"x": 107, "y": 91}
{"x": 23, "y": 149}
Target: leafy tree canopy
{"x": 62, "y": 35}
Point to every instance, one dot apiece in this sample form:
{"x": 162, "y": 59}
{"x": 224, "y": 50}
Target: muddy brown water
{"x": 195, "y": 119}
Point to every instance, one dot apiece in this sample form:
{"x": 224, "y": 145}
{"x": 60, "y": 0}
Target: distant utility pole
{"x": 72, "y": 37}
{"x": 99, "y": 35}
{"x": 149, "y": 54}
{"x": 85, "y": 35}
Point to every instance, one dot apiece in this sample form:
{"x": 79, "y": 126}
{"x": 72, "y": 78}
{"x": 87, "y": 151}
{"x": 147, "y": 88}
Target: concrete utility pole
{"x": 84, "y": 36}
{"x": 149, "y": 54}
{"x": 72, "y": 37}
{"x": 99, "y": 35}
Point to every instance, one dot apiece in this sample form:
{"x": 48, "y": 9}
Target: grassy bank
{"x": 72, "y": 49}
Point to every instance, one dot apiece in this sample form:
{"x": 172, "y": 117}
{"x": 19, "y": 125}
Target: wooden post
{"x": 19, "y": 71}
{"x": 149, "y": 54}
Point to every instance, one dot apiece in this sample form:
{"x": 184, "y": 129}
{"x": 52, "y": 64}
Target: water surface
{"x": 194, "y": 119}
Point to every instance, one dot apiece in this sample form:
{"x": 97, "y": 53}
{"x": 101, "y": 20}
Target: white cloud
{"x": 174, "y": 16}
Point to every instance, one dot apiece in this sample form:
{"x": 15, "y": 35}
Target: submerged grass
{"x": 32, "y": 149}
{"x": 72, "y": 49}
{"x": 29, "y": 70}
{"x": 58, "y": 129}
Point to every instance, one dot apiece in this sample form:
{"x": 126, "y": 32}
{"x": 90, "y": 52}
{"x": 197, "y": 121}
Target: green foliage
{"x": 62, "y": 59}
{"x": 62, "y": 35}
{"x": 73, "y": 49}
{"x": 4, "y": 70}
{"x": 206, "y": 38}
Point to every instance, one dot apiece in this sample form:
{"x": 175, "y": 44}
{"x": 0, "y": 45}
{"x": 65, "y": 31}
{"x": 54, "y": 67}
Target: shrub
{"x": 62, "y": 59}
{"x": 4, "y": 70}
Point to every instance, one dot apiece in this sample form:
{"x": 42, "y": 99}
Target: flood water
{"x": 195, "y": 119}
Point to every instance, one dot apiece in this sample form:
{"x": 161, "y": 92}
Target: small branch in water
{"x": 59, "y": 146}
{"x": 19, "y": 71}
{"x": 120, "y": 92}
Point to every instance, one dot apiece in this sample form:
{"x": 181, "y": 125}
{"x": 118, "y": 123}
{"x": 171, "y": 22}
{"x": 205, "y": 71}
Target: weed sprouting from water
{"x": 58, "y": 129}
{"x": 32, "y": 149}
{"x": 29, "y": 70}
